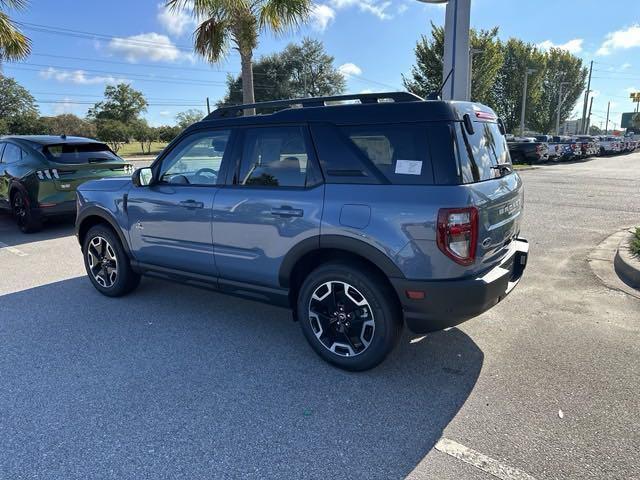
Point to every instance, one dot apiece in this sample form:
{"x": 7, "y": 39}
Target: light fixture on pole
{"x": 528, "y": 72}
{"x": 456, "y": 48}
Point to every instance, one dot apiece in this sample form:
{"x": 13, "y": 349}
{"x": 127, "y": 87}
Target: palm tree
{"x": 236, "y": 24}
{"x": 13, "y": 44}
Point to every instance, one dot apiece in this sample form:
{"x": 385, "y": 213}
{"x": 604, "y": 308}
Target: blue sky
{"x": 372, "y": 40}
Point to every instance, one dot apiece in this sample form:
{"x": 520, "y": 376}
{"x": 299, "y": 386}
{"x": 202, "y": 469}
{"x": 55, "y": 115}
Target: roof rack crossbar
{"x": 236, "y": 110}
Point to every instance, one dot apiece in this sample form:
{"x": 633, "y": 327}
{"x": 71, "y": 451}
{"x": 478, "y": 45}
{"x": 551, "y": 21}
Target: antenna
{"x": 436, "y": 95}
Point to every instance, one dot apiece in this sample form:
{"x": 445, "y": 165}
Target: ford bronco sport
{"x": 361, "y": 213}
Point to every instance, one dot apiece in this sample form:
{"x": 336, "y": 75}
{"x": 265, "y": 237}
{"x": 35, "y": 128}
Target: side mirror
{"x": 142, "y": 177}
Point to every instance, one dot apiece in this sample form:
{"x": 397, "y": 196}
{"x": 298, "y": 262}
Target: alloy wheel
{"x": 19, "y": 209}
{"x": 103, "y": 263}
{"x": 341, "y": 318}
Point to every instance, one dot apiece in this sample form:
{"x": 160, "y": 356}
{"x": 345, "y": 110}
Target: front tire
{"x": 27, "y": 220}
{"x": 107, "y": 263}
{"x": 349, "y": 315}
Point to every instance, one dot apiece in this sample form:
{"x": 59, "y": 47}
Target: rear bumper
{"x": 450, "y": 302}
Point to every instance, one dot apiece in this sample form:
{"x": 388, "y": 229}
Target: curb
{"x": 626, "y": 265}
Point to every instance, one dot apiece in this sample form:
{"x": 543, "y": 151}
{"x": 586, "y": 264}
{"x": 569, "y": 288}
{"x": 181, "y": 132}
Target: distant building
{"x": 570, "y": 127}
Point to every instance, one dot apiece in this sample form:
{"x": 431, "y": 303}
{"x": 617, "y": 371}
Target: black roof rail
{"x": 237, "y": 110}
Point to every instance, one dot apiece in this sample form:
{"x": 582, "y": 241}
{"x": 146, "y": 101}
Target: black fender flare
{"x": 337, "y": 242}
{"x": 106, "y": 216}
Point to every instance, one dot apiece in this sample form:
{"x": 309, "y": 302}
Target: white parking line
{"x": 10, "y": 249}
{"x": 480, "y": 461}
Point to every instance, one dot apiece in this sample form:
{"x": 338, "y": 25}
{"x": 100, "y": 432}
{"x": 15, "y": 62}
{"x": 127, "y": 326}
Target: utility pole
{"x": 208, "y": 106}
{"x": 586, "y": 100}
{"x": 589, "y": 117}
{"x": 606, "y": 131}
{"x": 560, "y": 102}
{"x": 527, "y": 72}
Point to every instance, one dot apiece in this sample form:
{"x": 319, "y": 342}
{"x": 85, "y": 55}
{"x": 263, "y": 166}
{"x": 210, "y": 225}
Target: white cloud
{"x": 146, "y": 46}
{"x": 366, "y": 90}
{"x": 65, "y": 106}
{"x": 349, "y": 69}
{"x": 176, "y": 22}
{"x": 630, "y": 90}
{"x": 572, "y": 46}
{"x": 165, "y": 113}
{"x": 403, "y": 7}
{"x": 321, "y": 16}
{"x": 79, "y": 77}
{"x": 620, "y": 40}
{"x": 375, "y": 7}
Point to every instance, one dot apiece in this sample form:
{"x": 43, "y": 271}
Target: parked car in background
{"x": 608, "y": 145}
{"x": 569, "y": 149}
{"x": 39, "y": 175}
{"x": 528, "y": 150}
{"x": 359, "y": 217}
{"x": 588, "y": 145}
{"x": 554, "y": 148}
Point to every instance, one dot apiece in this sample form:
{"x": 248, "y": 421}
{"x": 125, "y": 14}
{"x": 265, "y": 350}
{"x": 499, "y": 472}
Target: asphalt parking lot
{"x": 180, "y": 383}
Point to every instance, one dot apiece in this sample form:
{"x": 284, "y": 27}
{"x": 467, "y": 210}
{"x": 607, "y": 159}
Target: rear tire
{"x": 349, "y": 315}
{"x": 107, "y": 263}
{"x": 27, "y": 220}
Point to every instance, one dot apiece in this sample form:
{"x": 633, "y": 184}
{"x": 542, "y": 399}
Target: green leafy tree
{"x": 507, "y": 92}
{"x": 189, "y": 117}
{"x": 143, "y": 134}
{"x": 167, "y": 133}
{"x": 562, "y": 68}
{"x": 68, "y": 124}
{"x": 300, "y": 70}
{"x": 14, "y": 45}
{"x": 113, "y": 132}
{"x": 426, "y": 75}
{"x": 237, "y": 24}
{"x": 18, "y": 109}
{"x": 122, "y": 103}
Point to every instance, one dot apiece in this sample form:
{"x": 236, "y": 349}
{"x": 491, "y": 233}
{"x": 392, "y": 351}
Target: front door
{"x": 275, "y": 201}
{"x": 170, "y": 221}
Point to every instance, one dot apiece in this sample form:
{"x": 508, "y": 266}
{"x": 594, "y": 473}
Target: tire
{"x": 27, "y": 220}
{"x": 368, "y": 321}
{"x": 107, "y": 263}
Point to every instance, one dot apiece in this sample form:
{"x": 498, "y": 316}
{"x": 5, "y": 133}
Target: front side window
{"x": 196, "y": 160}
{"x": 399, "y": 152}
{"x": 12, "y": 153}
{"x": 274, "y": 157}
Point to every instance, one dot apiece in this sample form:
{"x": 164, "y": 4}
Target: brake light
{"x": 458, "y": 234}
{"x": 485, "y": 116}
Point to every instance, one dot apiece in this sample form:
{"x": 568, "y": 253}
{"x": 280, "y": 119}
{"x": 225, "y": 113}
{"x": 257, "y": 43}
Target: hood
{"x": 106, "y": 184}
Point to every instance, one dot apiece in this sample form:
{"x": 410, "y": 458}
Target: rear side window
{"x": 78, "y": 153}
{"x": 274, "y": 157}
{"x": 481, "y": 152}
{"x": 399, "y": 152}
{"x": 12, "y": 153}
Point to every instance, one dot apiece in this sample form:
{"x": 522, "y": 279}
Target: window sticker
{"x": 409, "y": 167}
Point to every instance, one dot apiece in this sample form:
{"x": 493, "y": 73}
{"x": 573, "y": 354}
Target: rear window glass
{"x": 399, "y": 152}
{"x": 74, "y": 153}
{"x": 482, "y": 151}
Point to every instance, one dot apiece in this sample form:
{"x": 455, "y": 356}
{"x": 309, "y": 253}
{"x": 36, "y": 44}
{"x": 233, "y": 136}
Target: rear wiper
{"x": 503, "y": 168}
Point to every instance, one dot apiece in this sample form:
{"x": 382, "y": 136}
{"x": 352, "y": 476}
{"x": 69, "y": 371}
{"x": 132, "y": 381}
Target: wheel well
{"x": 88, "y": 223}
{"x": 311, "y": 260}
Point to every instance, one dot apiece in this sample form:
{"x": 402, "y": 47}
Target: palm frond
{"x": 212, "y": 39}
{"x": 13, "y": 44}
{"x": 281, "y": 15}
{"x": 204, "y": 8}
{"x": 14, "y": 4}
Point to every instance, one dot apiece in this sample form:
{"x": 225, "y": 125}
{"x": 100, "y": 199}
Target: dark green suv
{"x": 39, "y": 175}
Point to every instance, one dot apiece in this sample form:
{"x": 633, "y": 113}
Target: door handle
{"x": 191, "y": 204}
{"x": 287, "y": 211}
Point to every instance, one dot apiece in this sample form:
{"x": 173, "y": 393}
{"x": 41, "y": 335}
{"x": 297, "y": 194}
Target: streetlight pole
{"x": 560, "y": 102}
{"x": 528, "y": 72}
{"x": 456, "y": 48}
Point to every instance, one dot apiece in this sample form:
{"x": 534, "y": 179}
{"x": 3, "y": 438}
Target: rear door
{"x": 273, "y": 202}
{"x": 170, "y": 221}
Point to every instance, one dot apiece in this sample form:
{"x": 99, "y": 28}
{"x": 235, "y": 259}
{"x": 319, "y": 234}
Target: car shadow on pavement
{"x": 56, "y": 227}
{"x": 176, "y": 382}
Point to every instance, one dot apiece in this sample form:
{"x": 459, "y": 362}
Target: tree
{"x": 68, "y": 124}
{"x": 189, "y": 117}
{"x": 14, "y": 45}
{"x": 113, "y": 132}
{"x": 167, "y": 133}
{"x": 562, "y": 68}
{"x": 507, "y": 92}
{"x": 122, "y": 103}
{"x": 144, "y": 134}
{"x": 238, "y": 23}
{"x": 300, "y": 70}
{"x": 426, "y": 75}
{"x": 593, "y": 130}
{"x": 18, "y": 108}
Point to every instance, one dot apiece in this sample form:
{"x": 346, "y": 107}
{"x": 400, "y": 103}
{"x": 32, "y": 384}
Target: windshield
{"x": 78, "y": 153}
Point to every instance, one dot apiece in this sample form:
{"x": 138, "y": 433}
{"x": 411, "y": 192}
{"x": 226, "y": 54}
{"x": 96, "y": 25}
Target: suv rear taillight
{"x": 458, "y": 233}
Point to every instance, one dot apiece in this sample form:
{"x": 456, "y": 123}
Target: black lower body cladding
{"x": 447, "y": 303}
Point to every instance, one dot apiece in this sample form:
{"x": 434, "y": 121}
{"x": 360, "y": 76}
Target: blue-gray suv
{"x": 361, "y": 213}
